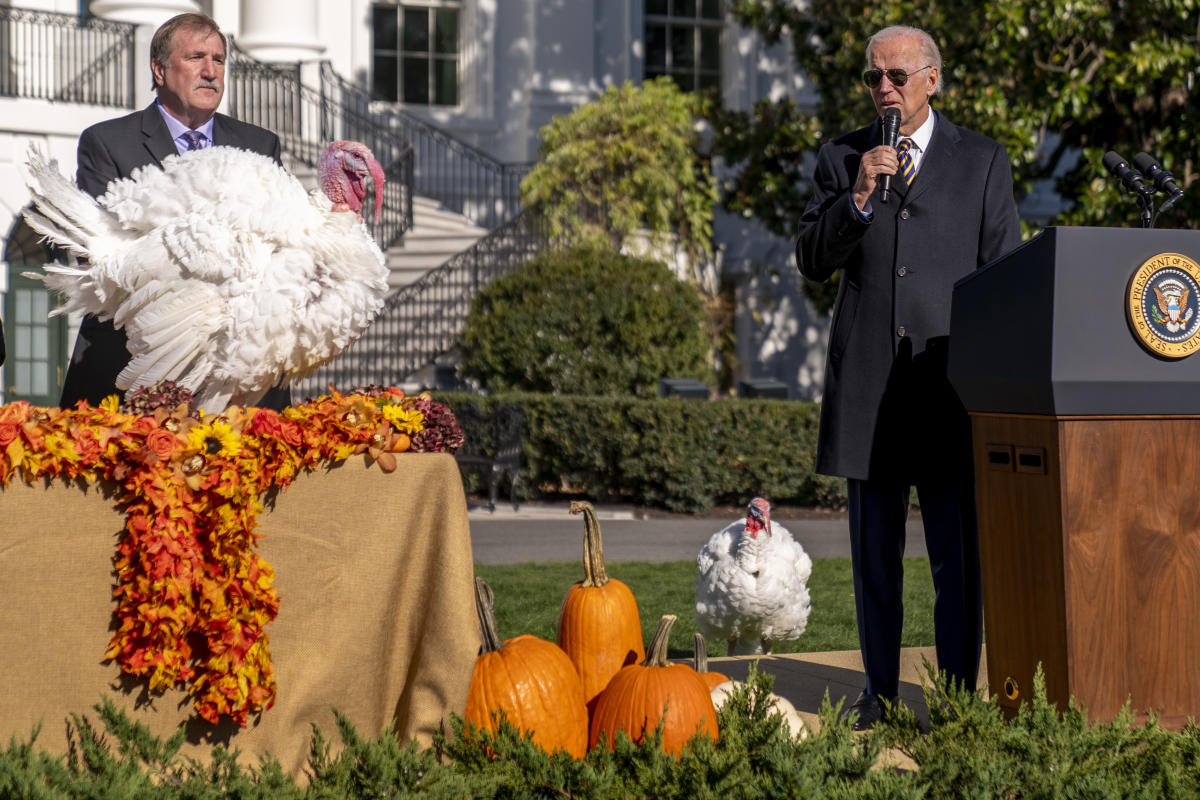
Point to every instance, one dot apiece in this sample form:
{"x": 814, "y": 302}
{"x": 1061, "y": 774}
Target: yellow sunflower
{"x": 215, "y": 438}
{"x": 404, "y": 420}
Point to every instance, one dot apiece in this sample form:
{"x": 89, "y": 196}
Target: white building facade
{"x": 490, "y": 73}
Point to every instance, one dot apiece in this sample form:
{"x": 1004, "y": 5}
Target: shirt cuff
{"x": 864, "y": 214}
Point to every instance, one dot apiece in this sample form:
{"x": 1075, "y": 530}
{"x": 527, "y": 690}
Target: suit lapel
{"x": 223, "y": 133}
{"x": 937, "y": 160}
{"x": 155, "y": 136}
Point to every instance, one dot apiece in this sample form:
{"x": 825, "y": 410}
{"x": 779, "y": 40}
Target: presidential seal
{"x": 1162, "y": 305}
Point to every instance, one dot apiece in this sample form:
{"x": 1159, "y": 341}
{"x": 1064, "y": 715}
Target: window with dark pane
{"x": 683, "y": 41}
{"x": 415, "y": 51}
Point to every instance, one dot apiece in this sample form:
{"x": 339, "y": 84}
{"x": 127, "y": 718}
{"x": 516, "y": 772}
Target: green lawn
{"x": 528, "y": 597}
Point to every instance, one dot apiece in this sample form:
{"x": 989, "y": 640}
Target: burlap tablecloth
{"x": 376, "y": 615}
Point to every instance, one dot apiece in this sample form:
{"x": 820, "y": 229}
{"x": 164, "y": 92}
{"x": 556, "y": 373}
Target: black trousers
{"x": 878, "y": 511}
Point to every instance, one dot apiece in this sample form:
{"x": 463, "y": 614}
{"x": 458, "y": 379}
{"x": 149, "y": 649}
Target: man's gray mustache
{"x": 208, "y": 85}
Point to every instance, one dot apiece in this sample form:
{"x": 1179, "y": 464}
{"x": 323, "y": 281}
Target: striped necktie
{"x": 194, "y": 139}
{"x": 907, "y": 168}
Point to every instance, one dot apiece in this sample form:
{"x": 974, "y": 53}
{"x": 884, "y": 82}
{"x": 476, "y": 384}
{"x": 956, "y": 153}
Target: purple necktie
{"x": 195, "y": 140}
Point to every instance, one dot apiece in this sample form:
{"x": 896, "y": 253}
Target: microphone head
{"x": 891, "y": 126}
{"x": 1113, "y": 163}
{"x": 1163, "y": 179}
{"x": 1145, "y": 163}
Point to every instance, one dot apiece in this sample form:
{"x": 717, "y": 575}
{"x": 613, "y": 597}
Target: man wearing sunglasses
{"x": 890, "y": 419}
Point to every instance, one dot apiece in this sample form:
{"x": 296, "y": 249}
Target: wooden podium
{"x": 1087, "y": 470}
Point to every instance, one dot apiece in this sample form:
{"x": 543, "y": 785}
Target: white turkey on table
{"x": 226, "y": 275}
{"x": 752, "y": 589}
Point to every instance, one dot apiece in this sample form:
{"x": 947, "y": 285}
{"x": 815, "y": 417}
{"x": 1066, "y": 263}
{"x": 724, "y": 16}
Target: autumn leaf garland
{"x": 193, "y": 597}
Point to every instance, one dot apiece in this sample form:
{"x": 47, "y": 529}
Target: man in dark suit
{"x": 890, "y": 419}
{"x": 187, "y": 58}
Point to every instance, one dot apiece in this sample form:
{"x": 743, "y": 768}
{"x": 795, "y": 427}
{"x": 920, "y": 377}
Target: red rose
{"x": 162, "y": 443}
{"x": 143, "y": 426}
{"x": 9, "y": 431}
{"x": 290, "y": 432}
{"x": 16, "y": 412}
{"x": 267, "y": 423}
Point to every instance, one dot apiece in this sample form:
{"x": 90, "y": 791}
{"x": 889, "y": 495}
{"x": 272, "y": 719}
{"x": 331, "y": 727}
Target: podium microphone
{"x": 891, "y": 134}
{"x": 1164, "y": 180}
{"x": 1129, "y": 176}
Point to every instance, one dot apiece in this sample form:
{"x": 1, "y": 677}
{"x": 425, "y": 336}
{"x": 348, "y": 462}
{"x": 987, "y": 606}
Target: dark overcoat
{"x": 888, "y": 410}
{"x": 114, "y": 149}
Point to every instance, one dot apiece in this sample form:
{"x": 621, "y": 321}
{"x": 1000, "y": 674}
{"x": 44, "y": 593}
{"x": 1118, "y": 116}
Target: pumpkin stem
{"x": 656, "y": 653}
{"x": 700, "y": 652}
{"x": 485, "y": 607}
{"x": 593, "y": 547}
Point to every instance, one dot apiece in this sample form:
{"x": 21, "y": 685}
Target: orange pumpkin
{"x": 642, "y": 694}
{"x": 700, "y": 659}
{"x": 599, "y": 627}
{"x": 531, "y": 680}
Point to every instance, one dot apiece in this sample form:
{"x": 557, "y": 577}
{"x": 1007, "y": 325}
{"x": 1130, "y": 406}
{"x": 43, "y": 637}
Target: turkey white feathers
{"x": 752, "y": 587}
{"x": 226, "y": 275}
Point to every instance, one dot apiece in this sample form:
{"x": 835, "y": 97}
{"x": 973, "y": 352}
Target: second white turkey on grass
{"x": 752, "y": 587}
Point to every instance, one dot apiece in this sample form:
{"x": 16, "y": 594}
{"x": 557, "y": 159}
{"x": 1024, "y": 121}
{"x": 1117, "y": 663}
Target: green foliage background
{"x": 1057, "y": 83}
{"x": 626, "y": 162}
{"x": 585, "y": 321}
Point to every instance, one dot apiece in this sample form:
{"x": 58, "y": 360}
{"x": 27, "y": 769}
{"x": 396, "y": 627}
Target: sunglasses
{"x": 898, "y": 77}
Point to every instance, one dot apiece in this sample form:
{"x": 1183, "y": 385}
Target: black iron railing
{"x": 48, "y": 56}
{"x": 461, "y": 177}
{"x": 307, "y": 120}
{"x": 424, "y": 319}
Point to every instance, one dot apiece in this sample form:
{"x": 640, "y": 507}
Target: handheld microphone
{"x": 1164, "y": 180}
{"x": 891, "y": 134}
{"x": 1129, "y": 176}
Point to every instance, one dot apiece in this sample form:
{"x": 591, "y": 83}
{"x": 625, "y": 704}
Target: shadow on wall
{"x": 779, "y": 334}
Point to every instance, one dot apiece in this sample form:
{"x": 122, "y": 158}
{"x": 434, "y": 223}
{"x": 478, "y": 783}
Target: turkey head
{"x": 758, "y": 517}
{"x": 343, "y": 170}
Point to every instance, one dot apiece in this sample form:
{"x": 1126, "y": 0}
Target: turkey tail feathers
{"x": 72, "y": 240}
{"x": 65, "y": 214}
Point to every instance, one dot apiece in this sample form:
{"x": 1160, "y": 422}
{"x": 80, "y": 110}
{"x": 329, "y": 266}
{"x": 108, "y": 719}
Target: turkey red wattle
{"x": 342, "y": 171}
{"x": 758, "y": 517}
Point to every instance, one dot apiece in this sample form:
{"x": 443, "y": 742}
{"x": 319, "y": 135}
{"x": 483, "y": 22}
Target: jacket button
{"x": 901, "y": 331}
{"x": 902, "y": 271}
{"x": 904, "y": 214}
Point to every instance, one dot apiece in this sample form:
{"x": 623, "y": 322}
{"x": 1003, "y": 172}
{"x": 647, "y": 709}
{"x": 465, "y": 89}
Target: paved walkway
{"x": 548, "y": 532}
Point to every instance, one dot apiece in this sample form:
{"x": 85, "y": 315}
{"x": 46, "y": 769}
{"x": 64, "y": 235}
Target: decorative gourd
{"x": 599, "y": 627}
{"x": 642, "y": 694}
{"x": 779, "y": 704}
{"x": 531, "y": 680}
{"x": 700, "y": 658}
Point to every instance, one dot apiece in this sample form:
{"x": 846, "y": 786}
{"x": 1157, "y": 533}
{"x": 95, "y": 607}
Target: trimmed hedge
{"x": 680, "y": 455}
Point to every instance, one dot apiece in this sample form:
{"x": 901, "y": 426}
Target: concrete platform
{"x": 804, "y": 678}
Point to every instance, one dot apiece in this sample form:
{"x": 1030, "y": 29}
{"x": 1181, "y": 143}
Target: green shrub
{"x": 969, "y": 750}
{"x": 585, "y": 321}
{"x": 682, "y": 455}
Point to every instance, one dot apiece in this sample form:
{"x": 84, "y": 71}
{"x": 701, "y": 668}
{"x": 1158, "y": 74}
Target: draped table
{"x": 376, "y": 617}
